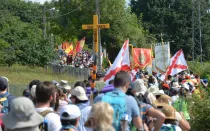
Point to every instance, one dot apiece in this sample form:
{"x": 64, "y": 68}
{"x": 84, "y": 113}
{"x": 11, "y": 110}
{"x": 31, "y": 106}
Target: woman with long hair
{"x": 101, "y": 117}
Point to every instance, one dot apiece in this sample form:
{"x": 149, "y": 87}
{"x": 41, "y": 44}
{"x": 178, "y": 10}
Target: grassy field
{"x": 20, "y": 76}
{"x": 24, "y": 74}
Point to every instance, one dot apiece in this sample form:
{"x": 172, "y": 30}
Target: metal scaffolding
{"x": 197, "y": 51}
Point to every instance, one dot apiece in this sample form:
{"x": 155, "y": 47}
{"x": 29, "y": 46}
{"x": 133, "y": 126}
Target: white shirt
{"x": 54, "y": 123}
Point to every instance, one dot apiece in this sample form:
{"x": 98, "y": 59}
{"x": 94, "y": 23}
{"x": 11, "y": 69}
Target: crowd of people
{"x": 81, "y": 59}
{"x": 147, "y": 104}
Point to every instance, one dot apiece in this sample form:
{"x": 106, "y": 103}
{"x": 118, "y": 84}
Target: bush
{"x": 199, "y": 112}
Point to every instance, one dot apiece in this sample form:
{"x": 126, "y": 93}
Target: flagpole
{"x": 131, "y": 54}
{"x": 163, "y": 54}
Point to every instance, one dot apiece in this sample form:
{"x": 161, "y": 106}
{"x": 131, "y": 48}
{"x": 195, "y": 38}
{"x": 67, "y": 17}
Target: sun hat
{"x": 169, "y": 111}
{"x": 139, "y": 86}
{"x": 159, "y": 92}
{"x": 176, "y": 84}
{"x": 79, "y": 92}
{"x": 64, "y": 84}
{"x": 22, "y": 114}
{"x": 72, "y": 110}
{"x": 162, "y": 100}
{"x": 152, "y": 89}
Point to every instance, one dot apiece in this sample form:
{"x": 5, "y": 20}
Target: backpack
{"x": 5, "y": 102}
{"x": 44, "y": 125}
{"x": 167, "y": 128}
{"x": 144, "y": 98}
{"x": 118, "y": 103}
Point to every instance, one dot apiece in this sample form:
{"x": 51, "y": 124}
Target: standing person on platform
{"x": 45, "y": 101}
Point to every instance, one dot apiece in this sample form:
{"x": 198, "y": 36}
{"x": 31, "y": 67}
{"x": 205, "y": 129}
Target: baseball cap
{"x": 72, "y": 112}
{"x": 79, "y": 92}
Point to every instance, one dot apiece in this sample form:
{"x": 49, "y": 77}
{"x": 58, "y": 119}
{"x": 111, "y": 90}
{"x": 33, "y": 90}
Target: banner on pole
{"x": 162, "y": 56}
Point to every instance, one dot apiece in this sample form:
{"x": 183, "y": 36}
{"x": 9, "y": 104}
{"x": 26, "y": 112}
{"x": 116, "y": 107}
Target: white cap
{"x": 79, "y": 92}
{"x": 64, "y": 82}
{"x": 67, "y": 87}
{"x": 33, "y": 91}
{"x": 159, "y": 92}
{"x": 72, "y": 110}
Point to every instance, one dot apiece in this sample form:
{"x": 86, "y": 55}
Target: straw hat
{"x": 169, "y": 111}
{"x": 162, "y": 100}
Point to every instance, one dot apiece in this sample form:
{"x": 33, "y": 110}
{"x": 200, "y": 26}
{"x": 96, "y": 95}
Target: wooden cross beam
{"x": 95, "y": 26}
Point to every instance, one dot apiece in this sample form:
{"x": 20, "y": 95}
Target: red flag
{"x": 122, "y": 62}
{"x": 177, "y": 64}
{"x": 142, "y": 57}
{"x": 80, "y": 45}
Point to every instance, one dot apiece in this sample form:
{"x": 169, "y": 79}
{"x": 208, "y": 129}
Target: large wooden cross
{"x": 95, "y": 26}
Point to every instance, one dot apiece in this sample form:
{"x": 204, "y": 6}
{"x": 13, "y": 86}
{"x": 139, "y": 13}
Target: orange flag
{"x": 65, "y": 45}
{"x": 69, "y": 50}
{"x": 142, "y": 57}
{"x": 79, "y": 46}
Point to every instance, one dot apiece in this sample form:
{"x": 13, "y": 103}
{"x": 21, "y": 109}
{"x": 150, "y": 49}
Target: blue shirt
{"x": 85, "y": 112}
{"x": 132, "y": 106}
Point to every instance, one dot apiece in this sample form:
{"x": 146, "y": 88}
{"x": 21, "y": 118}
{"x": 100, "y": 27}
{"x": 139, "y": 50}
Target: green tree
{"x": 22, "y": 36}
{"x": 173, "y": 18}
{"x": 124, "y": 25}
